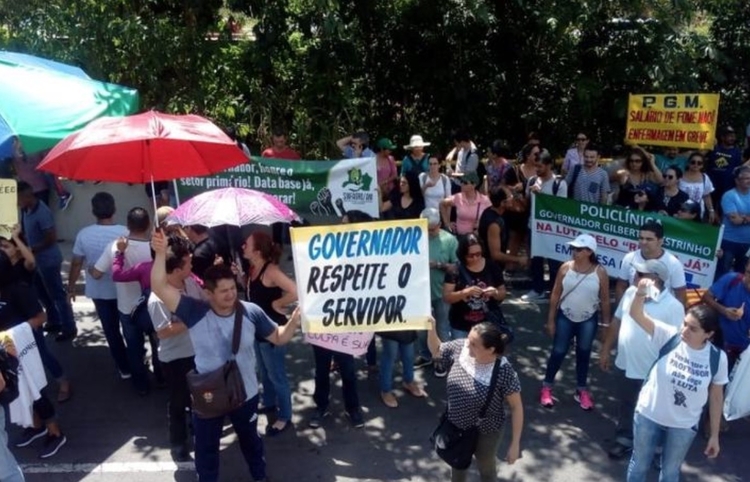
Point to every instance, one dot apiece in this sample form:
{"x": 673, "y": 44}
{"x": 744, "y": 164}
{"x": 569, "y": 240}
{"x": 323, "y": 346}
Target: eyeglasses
{"x": 475, "y": 254}
{"x": 434, "y": 163}
{"x": 670, "y": 176}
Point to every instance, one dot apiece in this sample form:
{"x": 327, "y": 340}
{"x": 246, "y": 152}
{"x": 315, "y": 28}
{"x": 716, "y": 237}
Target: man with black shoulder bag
{"x": 224, "y": 383}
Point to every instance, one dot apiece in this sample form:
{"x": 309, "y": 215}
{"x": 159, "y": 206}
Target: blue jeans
{"x": 48, "y": 359}
{"x": 323, "y": 358}
{"x": 442, "y": 326}
{"x": 9, "y": 469}
{"x": 565, "y": 330}
{"x": 391, "y": 349}
{"x": 647, "y": 435}
{"x": 733, "y": 259}
{"x": 208, "y": 436}
{"x": 134, "y": 336}
{"x": 49, "y": 285}
{"x": 108, "y": 315}
{"x": 537, "y": 273}
{"x": 276, "y": 389}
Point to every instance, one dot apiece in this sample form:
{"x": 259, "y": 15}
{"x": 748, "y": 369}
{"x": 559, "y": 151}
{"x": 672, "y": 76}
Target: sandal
{"x": 389, "y": 399}
{"x": 415, "y": 389}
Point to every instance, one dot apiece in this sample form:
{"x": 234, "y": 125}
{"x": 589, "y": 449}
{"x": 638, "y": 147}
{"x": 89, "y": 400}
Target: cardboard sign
{"x": 8, "y": 206}
{"x": 350, "y": 343}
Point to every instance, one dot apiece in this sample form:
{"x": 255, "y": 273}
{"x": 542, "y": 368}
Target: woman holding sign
{"x": 474, "y": 290}
{"x": 273, "y": 291}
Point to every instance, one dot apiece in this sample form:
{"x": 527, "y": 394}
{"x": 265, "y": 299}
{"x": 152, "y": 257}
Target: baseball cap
{"x": 584, "y": 241}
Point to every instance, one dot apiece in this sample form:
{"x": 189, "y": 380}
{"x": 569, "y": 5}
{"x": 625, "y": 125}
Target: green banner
{"x": 319, "y": 188}
{"x": 556, "y": 221}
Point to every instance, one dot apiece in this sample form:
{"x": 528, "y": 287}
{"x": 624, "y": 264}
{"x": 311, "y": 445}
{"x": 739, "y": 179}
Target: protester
{"x": 442, "y": 247}
{"x": 467, "y": 156}
{"x": 471, "y": 362}
{"x": 398, "y": 345}
{"x": 355, "y": 146}
{"x": 41, "y": 182}
{"x": 670, "y": 157}
{"x": 688, "y": 372}
{"x": 279, "y": 149}
{"x": 650, "y": 246}
{"x": 406, "y": 202}
{"x": 722, "y": 161}
{"x": 90, "y": 244}
{"x": 698, "y": 186}
{"x": 545, "y": 182}
{"x": 517, "y": 212}
{"x": 588, "y": 182}
{"x": 272, "y": 291}
{"x": 469, "y": 205}
{"x": 474, "y": 289}
{"x": 175, "y": 350}
{"x": 498, "y": 163}
{"x": 435, "y": 185}
{"x": 574, "y": 155}
{"x": 38, "y": 225}
{"x": 635, "y": 353}
{"x": 735, "y": 208}
{"x": 728, "y": 296}
{"x": 689, "y": 211}
{"x": 415, "y": 160}
{"x": 211, "y": 324}
{"x": 670, "y": 197}
{"x": 10, "y": 471}
{"x": 493, "y": 233}
{"x": 637, "y": 180}
{"x": 205, "y": 249}
{"x": 387, "y": 171}
{"x": 133, "y": 249}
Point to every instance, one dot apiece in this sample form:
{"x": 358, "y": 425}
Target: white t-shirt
{"x": 677, "y": 390}
{"x": 696, "y": 190}
{"x": 91, "y": 242}
{"x": 676, "y": 270}
{"x": 635, "y": 353}
{"x": 127, "y": 293}
{"x": 434, "y": 194}
{"x": 546, "y": 187}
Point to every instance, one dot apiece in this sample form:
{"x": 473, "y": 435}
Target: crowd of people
{"x": 180, "y": 288}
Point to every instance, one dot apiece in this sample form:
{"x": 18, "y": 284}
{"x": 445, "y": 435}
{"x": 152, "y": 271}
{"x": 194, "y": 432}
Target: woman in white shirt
{"x": 688, "y": 372}
{"x": 435, "y": 185}
{"x": 581, "y": 291}
{"x": 698, "y": 185}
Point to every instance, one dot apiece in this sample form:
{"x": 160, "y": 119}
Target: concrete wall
{"x": 78, "y": 214}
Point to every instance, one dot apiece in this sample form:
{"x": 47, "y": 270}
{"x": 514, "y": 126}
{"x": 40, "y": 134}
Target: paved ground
{"x": 116, "y": 435}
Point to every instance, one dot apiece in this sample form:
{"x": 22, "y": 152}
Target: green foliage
{"x": 323, "y": 68}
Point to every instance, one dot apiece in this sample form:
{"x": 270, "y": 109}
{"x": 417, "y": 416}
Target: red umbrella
{"x": 142, "y": 148}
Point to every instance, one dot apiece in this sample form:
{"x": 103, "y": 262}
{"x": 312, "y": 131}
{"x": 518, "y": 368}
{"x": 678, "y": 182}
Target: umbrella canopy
{"x": 42, "y": 101}
{"x": 233, "y": 206}
{"x": 142, "y": 148}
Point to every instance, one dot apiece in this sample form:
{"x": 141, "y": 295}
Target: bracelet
{"x": 604, "y": 325}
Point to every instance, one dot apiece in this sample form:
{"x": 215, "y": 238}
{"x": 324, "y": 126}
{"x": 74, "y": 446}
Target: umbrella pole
{"x": 176, "y": 192}
{"x": 153, "y": 196}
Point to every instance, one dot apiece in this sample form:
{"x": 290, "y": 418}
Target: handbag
{"x": 456, "y": 446}
{"x": 221, "y": 391}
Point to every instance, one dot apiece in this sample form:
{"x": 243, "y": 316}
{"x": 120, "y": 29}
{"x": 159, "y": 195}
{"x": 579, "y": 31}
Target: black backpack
{"x": 9, "y": 370}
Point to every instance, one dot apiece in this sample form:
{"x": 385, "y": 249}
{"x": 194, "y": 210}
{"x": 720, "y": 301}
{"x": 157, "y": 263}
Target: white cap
{"x": 653, "y": 266}
{"x": 584, "y": 241}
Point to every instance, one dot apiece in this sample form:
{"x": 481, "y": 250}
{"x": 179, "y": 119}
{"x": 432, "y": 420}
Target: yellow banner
{"x": 363, "y": 277}
{"x": 673, "y": 120}
{"x": 8, "y": 206}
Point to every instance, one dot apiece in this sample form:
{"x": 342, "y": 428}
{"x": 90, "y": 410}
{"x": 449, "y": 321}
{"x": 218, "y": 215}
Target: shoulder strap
{"x": 491, "y": 390}
{"x": 464, "y": 273}
{"x": 556, "y": 185}
{"x": 239, "y": 314}
{"x": 666, "y": 348}
{"x": 714, "y": 361}
{"x": 422, "y": 179}
{"x": 571, "y": 186}
{"x": 446, "y": 185}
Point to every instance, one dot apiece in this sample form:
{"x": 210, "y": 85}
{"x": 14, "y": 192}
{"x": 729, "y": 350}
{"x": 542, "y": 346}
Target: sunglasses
{"x": 670, "y": 176}
{"x": 696, "y": 163}
{"x": 577, "y": 249}
{"x": 475, "y": 254}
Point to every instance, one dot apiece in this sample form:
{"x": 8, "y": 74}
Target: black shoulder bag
{"x": 221, "y": 391}
{"x": 456, "y": 446}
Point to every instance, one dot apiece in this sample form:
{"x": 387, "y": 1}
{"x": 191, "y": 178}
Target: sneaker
{"x": 439, "y": 370}
{"x": 52, "y": 444}
{"x": 29, "y": 435}
{"x": 317, "y": 419}
{"x": 422, "y": 362}
{"x": 356, "y": 418}
{"x": 64, "y": 201}
{"x": 532, "y": 296}
{"x": 546, "y": 397}
{"x": 584, "y": 398}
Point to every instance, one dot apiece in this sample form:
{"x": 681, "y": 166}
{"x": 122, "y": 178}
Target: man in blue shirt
{"x": 38, "y": 226}
{"x": 211, "y": 325}
{"x": 720, "y": 162}
{"x": 355, "y": 146}
{"x": 735, "y": 206}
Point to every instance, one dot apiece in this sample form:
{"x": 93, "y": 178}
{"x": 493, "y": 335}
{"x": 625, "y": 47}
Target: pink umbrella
{"x": 233, "y": 206}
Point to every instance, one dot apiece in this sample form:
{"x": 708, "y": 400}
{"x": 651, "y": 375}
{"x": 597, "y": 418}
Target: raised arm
{"x": 168, "y": 294}
{"x": 636, "y": 309}
{"x": 29, "y": 261}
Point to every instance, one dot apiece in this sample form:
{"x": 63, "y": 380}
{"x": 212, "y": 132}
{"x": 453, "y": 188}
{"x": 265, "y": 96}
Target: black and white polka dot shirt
{"x": 466, "y": 396}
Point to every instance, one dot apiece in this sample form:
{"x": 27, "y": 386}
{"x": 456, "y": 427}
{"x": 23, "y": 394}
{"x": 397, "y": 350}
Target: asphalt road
{"x": 115, "y": 435}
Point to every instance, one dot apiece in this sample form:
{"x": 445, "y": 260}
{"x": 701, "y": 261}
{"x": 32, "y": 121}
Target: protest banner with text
{"x": 672, "y": 120}
{"x": 556, "y": 221}
{"x": 350, "y": 343}
{"x": 363, "y": 277}
{"x": 8, "y": 206}
{"x": 321, "y": 188}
